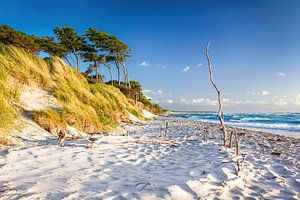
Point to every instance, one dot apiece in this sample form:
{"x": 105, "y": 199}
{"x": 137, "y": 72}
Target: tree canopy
{"x": 94, "y": 46}
{"x": 71, "y": 41}
{"x": 19, "y": 39}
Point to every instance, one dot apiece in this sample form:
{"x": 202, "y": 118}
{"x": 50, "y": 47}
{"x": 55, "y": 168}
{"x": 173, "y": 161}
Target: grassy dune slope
{"x": 88, "y": 107}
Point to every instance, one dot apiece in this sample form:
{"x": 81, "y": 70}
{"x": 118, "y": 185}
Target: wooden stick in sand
{"x": 236, "y": 141}
{"x": 166, "y": 128}
{"x": 220, "y": 111}
{"x": 230, "y": 139}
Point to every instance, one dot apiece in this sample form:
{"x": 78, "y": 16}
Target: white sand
{"x": 148, "y": 114}
{"x": 34, "y": 98}
{"x": 119, "y": 169}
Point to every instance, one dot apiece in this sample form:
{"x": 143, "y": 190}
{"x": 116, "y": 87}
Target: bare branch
{"x": 220, "y": 111}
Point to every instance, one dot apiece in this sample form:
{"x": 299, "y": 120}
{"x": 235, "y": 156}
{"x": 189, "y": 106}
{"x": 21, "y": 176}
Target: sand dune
{"x": 117, "y": 168}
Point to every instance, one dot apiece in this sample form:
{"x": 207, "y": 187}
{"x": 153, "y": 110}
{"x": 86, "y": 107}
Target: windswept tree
{"x": 18, "y": 39}
{"x": 108, "y": 64}
{"x": 70, "y": 40}
{"x": 120, "y": 52}
{"x": 48, "y": 45}
{"x": 94, "y": 51}
{"x": 90, "y": 54}
{"x": 123, "y": 54}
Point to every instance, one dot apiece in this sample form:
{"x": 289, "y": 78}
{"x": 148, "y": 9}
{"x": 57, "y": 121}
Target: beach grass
{"x": 87, "y": 107}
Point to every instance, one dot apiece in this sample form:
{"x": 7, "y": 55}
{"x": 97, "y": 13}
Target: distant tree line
{"x": 94, "y": 46}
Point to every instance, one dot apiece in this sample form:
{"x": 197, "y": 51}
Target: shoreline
{"x": 185, "y": 165}
{"x": 288, "y": 133}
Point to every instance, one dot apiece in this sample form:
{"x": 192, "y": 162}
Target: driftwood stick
{"x": 236, "y": 142}
{"x": 205, "y": 135}
{"x": 166, "y": 128}
{"x": 230, "y": 139}
{"x": 220, "y": 110}
{"x": 240, "y": 163}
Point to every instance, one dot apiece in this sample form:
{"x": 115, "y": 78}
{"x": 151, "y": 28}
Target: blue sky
{"x": 255, "y": 46}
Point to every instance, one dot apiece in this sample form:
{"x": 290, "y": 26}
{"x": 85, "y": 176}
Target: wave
{"x": 255, "y": 119}
{"x": 272, "y": 121}
{"x": 282, "y": 126}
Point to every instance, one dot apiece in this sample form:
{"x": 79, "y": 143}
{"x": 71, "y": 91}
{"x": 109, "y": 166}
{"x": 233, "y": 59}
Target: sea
{"x": 282, "y": 123}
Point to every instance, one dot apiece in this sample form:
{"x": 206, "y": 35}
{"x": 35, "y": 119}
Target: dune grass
{"x": 23, "y": 67}
{"x": 88, "y": 107}
{"x": 7, "y": 113}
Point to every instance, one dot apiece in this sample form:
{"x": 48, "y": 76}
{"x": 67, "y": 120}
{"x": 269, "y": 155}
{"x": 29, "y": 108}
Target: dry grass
{"x": 88, "y": 107}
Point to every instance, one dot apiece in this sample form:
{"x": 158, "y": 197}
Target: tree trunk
{"x": 70, "y": 56}
{"x": 124, "y": 73}
{"x": 220, "y": 110}
{"x": 110, "y": 72}
{"x": 77, "y": 62}
{"x": 126, "y": 79}
{"x": 119, "y": 73}
{"x": 66, "y": 58}
{"x": 97, "y": 72}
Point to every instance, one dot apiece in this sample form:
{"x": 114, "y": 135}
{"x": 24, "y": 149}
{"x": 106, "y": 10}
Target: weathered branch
{"x": 220, "y": 111}
{"x": 166, "y": 128}
{"x": 236, "y": 142}
{"x": 230, "y": 139}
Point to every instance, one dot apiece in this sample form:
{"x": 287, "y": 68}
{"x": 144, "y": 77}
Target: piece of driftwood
{"x": 166, "y": 128}
{"x": 220, "y": 109}
{"x": 72, "y": 133}
{"x": 205, "y": 133}
{"x": 234, "y": 132}
{"x": 153, "y": 141}
{"x": 230, "y": 139}
{"x": 240, "y": 163}
{"x": 237, "y": 147}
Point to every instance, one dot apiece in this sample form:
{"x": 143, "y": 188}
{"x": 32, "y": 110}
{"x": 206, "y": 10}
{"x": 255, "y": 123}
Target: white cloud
{"x": 153, "y": 93}
{"x": 199, "y": 101}
{"x": 264, "y": 93}
{"x": 145, "y": 64}
{"x": 280, "y": 102}
{"x": 298, "y": 99}
{"x": 187, "y": 68}
{"x": 147, "y": 91}
{"x": 169, "y": 101}
{"x": 199, "y": 65}
{"x": 225, "y": 101}
{"x": 281, "y": 74}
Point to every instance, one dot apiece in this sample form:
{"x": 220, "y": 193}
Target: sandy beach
{"x": 142, "y": 166}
